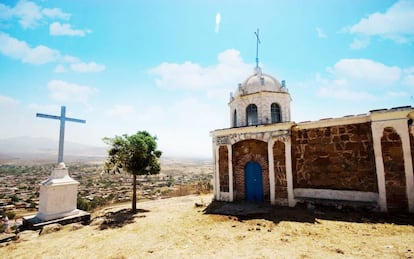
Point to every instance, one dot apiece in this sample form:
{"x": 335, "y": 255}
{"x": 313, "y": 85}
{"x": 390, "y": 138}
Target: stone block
{"x": 336, "y": 139}
{"x": 344, "y": 137}
{"x": 50, "y": 229}
{"x": 342, "y": 130}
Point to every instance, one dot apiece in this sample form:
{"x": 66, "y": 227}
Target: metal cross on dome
{"x": 257, "y": 47}
{"x": 62, "y": 119}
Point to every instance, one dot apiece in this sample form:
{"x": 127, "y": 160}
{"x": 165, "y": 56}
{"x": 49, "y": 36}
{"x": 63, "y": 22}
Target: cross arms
{"x": 41, "y": 115}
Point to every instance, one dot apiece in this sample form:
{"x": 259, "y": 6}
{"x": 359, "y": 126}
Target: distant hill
{"x": 31, "y": 148}
{"x": 46, "y": 150}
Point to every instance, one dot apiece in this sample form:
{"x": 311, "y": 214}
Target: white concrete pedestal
{"x": 57, "y": 202}
{"x": 58, "y": 195}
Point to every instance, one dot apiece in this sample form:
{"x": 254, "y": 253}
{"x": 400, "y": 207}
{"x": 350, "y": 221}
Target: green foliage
{"x": 170, "y": 181}
{"x": 82, "y": 204}
{"x": 14, "y": 198}
{"x": 9, "y": 214}
{"x": 89, "y": 205}
{"x": 136, "y": 154}
{"x": 32, "y": 205}
{"x": 23, "y": 169}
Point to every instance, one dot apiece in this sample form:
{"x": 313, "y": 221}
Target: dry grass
{"x": 175, "y": 228}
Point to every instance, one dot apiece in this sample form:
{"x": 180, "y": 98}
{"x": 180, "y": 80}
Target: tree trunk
{"x": 134, "y": 194}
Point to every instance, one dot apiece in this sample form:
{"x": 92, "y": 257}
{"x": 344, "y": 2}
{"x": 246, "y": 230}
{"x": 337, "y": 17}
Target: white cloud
{"x": 218, "y": 21}
{"x": 41, "y": 55}
{"x": 173, "y": 114}
{"x": 56, "y": 13}
{"x": 29, "y": 14}
{"x": 58, "y": 29}
{"x": 408, "y": 80}
{"x": 150, "y": 114}
{"x": 12, "y": 47}
{"x": 122, "y": 111}
{"x": 202, "y": 117}
{"x": 361, "y": 80}
{"x": 395, "y": 24}
{"x": 60, "y": 69}
{"x": 20, "y": 50}
{"x": 6, "y": 100}
{"x": 321, "y": 33}
{"x": 360, "y": 43}
{"x": 71, "y": 59}
{"x": 51, "y": 108}
{"x": 226, "y": 74}
{"x": 397, "y": 94}
{"x": 68, "y": 92}
{"x": 409, "y": 70}
{"x": 366, "y": 70}
{"x": 90, "y": 67}
{"x": 201, "y": 113}
{"x": 343, "y": 94}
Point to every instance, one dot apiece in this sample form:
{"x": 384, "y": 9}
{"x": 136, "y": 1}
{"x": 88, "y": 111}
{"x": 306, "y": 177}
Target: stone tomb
{"x": 57, "y": 201}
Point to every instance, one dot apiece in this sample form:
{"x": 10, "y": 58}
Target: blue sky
{"x": 168, "y": 66}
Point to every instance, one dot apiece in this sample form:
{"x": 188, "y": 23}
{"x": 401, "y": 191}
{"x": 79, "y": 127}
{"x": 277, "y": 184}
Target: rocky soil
{"x": 183, "y": 227}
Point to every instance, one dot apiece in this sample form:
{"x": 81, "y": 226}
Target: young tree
{"x": 136, "y": 154}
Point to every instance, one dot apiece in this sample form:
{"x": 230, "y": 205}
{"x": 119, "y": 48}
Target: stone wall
{"x": 224, "y": 169}
{"x": 392, "y": 155}
{"x": 337, "y": 157}
{"x": 250, "y": 151}
{"x": 279, "y": 159}
{"x": 410, "y": 133}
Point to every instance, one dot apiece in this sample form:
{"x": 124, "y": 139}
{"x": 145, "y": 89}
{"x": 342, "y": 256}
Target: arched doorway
{"x": 253, "y": 182}
{"x": 243, "y": 152}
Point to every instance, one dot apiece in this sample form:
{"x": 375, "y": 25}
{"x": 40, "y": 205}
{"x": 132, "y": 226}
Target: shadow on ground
{"x": 243, "y": 210}
{"x": 118, "y": 219}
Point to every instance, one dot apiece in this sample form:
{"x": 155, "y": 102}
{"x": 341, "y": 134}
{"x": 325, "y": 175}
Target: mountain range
{"x": 44, "y": 149}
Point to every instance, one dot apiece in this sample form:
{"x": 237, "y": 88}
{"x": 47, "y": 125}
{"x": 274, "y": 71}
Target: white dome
{"x": 259, "y": 82}
{"x": 260, "y": 100}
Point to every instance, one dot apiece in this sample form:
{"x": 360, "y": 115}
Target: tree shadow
{"x": 243, "y": 210}
{"x": 120, "y": 218}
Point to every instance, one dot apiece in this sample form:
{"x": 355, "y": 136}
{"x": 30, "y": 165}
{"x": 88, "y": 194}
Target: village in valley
{"x": 20, "y": 183}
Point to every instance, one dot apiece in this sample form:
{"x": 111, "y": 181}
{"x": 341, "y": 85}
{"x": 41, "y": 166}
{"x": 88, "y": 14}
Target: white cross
{"x": 62, "y": 119}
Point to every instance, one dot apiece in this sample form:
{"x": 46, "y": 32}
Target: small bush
{"x": 10, "y": 214}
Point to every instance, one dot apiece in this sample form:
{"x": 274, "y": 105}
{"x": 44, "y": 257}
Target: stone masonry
{"x": 224, "y": 169}
{"x": 280, "y": 170}
{"x": 243, "y": 152}
{"x": 338, "y": 157}
{"x": 395, "y": 184}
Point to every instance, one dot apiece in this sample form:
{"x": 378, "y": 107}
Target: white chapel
{"x": 358, "y": 160}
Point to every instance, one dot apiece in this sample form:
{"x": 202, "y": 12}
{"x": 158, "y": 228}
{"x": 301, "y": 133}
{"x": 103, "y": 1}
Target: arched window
{"x": 251, "y": 115}
{"x": 275, "y": 112}
{"x": 235, "y": 118}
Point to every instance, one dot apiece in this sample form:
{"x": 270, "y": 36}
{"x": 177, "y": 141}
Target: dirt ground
{"x": 176, "y": 228}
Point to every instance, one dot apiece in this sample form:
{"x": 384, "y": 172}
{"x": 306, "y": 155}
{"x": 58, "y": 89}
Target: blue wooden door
{"x": 253, "y": 181}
